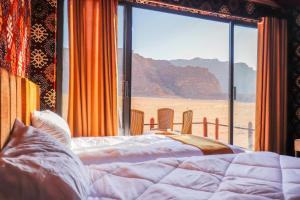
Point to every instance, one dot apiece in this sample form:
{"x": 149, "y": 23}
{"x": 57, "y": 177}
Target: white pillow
{"x": 53, "y": 124}
{"x": 34, "y": 165}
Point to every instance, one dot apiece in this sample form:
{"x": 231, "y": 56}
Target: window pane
{"x": 65, "y": 77}
{"x": 181, "y": 63}
{"x": 120, "y": 67}
{"x": 245, "y": 55}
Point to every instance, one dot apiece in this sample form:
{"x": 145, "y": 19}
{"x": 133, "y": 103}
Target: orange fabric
{"x": 206, "y": 145}
{"x": 271, "y": 102}
{"x": 93, "y": 64}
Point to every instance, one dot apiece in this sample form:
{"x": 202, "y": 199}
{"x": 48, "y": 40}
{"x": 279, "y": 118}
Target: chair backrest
{"x": 165, "y": 117}
{"x": 187, "y": 122}
{"x": 137, "y": 122}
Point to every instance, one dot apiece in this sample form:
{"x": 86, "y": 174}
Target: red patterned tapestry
{"x": 15, "y": 35}
{"x": 43, "y": 50}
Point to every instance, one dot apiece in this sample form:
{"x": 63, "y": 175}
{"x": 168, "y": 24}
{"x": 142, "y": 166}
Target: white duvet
{"x": 97, "y": 150}
{"x": 246, "y": 176}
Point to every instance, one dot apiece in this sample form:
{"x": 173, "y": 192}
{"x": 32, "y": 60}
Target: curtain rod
{"x": 223, "y": 14}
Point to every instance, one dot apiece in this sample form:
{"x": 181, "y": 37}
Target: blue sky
{"x": 66, "y": 31}
{"x": 167, "y": 36}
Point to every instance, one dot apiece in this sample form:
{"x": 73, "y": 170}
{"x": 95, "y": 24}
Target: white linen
{"x": 97, "y": 150}
{"x": 52, "y": 124}
{"x": 34, "y": 165}
{"x": 246, "y": 176}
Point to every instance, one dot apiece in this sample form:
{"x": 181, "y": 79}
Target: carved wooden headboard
{"x": 18, "y": 98}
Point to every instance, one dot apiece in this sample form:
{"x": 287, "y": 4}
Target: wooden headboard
{"x": 18, "y": 98}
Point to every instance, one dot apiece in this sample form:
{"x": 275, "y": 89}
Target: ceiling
{"x": 279, "y": 3}
{"x": 287, "y": 3}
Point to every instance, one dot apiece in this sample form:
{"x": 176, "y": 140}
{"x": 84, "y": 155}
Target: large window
{"x": 245, "y": 61}
{"x": 182, "y": 60}
{"x": 167, "y": 60}
{"x": 120, "y": 68}
{"x": 190, "y": 63}
{"x": 65, "y": 69}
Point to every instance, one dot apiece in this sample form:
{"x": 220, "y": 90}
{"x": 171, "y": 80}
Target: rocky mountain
{"x": 162, "y": 78}
{"x": 244, "y": 76}
{"x": 195, "y": 78}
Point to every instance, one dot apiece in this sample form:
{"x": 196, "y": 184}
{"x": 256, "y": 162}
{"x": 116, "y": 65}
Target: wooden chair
{"x": 137, "y": 122}
{"x": 165, "y": 117}
{"x": 187, "y": 122}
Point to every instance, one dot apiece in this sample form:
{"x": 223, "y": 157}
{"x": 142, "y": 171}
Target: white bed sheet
{"x": 98, "y": 150}
{"x": 245, "y": 176}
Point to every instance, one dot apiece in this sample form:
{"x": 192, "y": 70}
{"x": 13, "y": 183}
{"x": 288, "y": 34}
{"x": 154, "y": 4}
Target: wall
{"x": 43, "y": 50}
{"x": 294, "y": 75}
{"x": 15, "y": 36}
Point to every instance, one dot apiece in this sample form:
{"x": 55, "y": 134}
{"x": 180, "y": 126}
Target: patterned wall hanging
{"x": 15, "y": 36}
{"x": 238, "y": 10}
{"x": 294, "y": 73}
{"x": 43, "y": 50}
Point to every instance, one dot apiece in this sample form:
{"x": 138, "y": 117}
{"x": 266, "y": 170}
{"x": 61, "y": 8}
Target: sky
{"x": 66, "y": 30}
{"x": 160, "y": 35}
{"x": 166, "y": 36}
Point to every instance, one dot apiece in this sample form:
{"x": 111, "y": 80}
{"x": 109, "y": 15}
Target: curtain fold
{"x": 271, "y": 102}
{"x": 93, "y": 67}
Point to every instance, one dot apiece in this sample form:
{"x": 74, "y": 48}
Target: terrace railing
{"x": 217, "y": 124}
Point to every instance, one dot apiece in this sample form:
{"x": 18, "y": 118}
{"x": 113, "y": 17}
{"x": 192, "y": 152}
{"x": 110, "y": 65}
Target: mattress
{"x": 98, "y": 150}
{"x": 245, "y": 176}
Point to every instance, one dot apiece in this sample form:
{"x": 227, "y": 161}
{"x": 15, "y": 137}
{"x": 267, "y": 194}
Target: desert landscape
{"x": 197, "y": 84}
{"x": 194, "y": 84}
{"x": 211, "y": 109}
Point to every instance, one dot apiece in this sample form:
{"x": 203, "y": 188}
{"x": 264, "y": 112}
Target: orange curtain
{"x": 93, "y": 65}
{"x": 271, "y": 102}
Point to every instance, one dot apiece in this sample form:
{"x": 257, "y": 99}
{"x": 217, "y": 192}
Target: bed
{"x": 99, "y": 150}
{"x": 34, "y": 165}
{"x": 246, "y": 176}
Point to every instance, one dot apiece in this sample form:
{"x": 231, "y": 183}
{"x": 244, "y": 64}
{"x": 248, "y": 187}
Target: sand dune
{"x": 212, "y": 109}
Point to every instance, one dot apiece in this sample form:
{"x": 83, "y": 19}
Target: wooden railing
{"x": 217, "y": 124}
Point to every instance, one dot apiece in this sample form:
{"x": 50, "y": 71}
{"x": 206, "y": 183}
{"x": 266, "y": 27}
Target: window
{"x": 189, "y": 63}
{"x": 245, "y": 61}
{"x": 176, "y": 60}
{"x": 65, "y": 70}
{"x": 120, "y": 68}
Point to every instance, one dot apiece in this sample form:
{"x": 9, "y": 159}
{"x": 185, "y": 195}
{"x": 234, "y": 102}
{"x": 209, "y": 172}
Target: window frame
{"x": 127, "y": 59}
{"x": 59, "y": 57}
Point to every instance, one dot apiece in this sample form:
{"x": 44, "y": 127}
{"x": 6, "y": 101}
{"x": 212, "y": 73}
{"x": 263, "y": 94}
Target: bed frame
{"x": 18, "y": 98}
